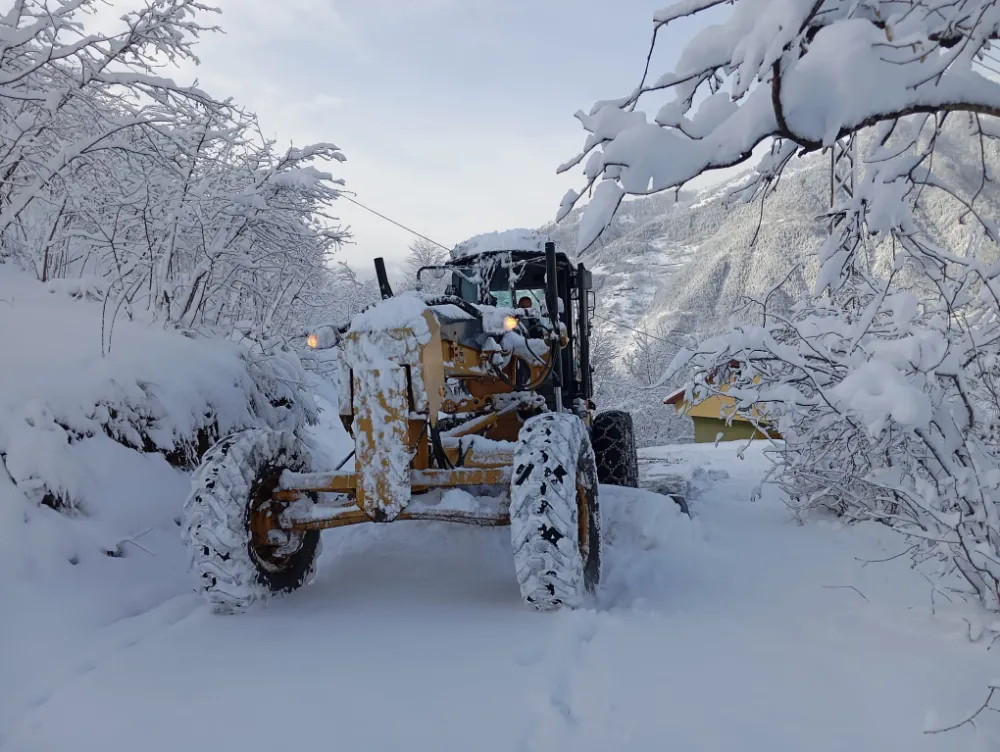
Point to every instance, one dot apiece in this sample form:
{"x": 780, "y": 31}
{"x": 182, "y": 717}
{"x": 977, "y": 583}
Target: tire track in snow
{"x": 572, "y": 697}
{"x": 117, "y": 638}
{"x": 573, "y": 703}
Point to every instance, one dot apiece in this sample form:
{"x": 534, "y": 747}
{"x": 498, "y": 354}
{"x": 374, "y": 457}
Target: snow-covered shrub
{"x": 167, "y": 196}
{"x": 159, "y": 390}
{"x": 206, "y": 249}
{"x": 884, "y": 382}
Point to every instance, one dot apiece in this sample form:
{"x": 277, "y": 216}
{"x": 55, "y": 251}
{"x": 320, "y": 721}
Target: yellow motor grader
{"x": 471, "y": 406}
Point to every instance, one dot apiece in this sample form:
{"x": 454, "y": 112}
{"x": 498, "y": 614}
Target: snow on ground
{"x": 737, "y": 630}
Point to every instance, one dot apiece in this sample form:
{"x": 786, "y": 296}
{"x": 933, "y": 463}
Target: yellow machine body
{"x": 396, "y": 386}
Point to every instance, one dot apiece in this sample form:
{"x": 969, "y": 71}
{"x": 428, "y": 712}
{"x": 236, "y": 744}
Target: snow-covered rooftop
{"x": 521, "y": 239}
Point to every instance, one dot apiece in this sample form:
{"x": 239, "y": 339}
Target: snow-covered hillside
{"x": 734, "y": 630}
{"x": 671, "y": 267}
{"x": 684, "y": 263}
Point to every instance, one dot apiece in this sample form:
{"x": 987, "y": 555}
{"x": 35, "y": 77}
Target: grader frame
{"x": 370, "y": 497}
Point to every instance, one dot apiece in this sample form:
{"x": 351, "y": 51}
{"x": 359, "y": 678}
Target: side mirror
{"x": 436, "y": 272}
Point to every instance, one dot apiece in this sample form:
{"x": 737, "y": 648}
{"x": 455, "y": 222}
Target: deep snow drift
{"x": 735, "y": 630}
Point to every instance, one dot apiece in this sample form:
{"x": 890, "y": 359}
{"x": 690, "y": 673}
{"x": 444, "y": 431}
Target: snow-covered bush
{"x": 173, "y": 198}
{"x": 205, "y": 249}
{"x": 884, "y": 383}
{"x": 161, "y": 391}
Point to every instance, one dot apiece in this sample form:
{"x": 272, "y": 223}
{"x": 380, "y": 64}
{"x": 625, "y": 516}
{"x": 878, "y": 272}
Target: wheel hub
{"x": 271, "y": 545}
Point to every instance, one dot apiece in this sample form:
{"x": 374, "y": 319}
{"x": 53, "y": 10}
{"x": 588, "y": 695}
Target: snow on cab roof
{"x": 521, "y": 239}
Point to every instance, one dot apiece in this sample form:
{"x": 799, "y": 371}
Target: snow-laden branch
{"x": 806, "y": 72}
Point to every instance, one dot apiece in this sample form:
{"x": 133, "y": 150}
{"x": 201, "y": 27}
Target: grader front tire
{"x": 228, "y": 522}
{"x": 554, "y": 513}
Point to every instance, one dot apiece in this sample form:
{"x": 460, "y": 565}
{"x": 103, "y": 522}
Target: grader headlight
{"x": 323, "y": 337}
{"x": 510, "y": 323}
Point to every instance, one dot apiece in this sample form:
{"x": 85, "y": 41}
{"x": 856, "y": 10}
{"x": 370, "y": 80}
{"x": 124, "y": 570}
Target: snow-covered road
{"x": 738, "y": 630}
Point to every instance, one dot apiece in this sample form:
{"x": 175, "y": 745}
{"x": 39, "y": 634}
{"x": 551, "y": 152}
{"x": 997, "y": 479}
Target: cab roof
{"x": 521, "y": 239}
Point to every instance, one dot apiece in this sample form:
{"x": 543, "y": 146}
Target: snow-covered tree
{"x": 647, "y": 355}
{"x": 420, "y": 253}
{"x": 885, "y": 382}
{"x": 170, "y": 199}
{"x": 803, "y": 73}
{"x": 352, "y": 294}
{"x": 424, "y": 253}
{"x": 604, "y": 354}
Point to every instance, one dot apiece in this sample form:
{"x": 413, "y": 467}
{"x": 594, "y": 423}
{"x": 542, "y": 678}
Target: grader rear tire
{"x": 614, "y": 447}
{"x": 227, "y": 521}
{"x": 555, "y": 519}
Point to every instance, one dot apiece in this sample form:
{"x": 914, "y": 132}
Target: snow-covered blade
{"x": 382, "y": 345}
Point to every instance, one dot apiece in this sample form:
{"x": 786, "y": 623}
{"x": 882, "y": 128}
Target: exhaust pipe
{"x": 383, "y": 278}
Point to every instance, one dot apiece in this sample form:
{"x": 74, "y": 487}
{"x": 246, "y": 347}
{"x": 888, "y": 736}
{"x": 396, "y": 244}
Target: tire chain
{"x": 614, "y": 445}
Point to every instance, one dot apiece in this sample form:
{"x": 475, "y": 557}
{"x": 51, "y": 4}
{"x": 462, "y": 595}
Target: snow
{"x": 113, "y": 554}
{"x": 520, "y": 239}
{"x": 61, "y": 400}
{"x": 532, "y": 349}
{"x": 455, "y": 500}
{"x": 734, "y": 630}
{"x": 878, "y": 394}
{"x": 737, "y": 629}
{"x": 400, "y": 311}
{"x": 383, "y": 455}
{"x": 449, "y": 312}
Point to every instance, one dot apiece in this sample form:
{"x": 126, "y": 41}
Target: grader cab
{"x": 471, "y": 405}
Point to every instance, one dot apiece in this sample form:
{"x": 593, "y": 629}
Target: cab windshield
{"x": 500, "y": 291}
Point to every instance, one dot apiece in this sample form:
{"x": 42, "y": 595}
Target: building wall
{"x": 706, "y": 429}
{"x": 715, "y": 406}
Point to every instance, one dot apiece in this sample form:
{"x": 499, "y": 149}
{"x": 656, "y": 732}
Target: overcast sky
{"x": 453, "y": 114}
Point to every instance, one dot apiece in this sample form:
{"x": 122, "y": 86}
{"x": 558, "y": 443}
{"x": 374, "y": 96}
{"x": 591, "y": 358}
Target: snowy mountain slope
{"x": 413, "y": 637}
{"x": 687, "y": 262}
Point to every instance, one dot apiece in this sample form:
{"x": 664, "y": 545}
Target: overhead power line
{"x": 390, "y": 219}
